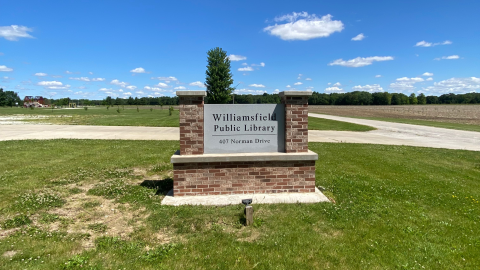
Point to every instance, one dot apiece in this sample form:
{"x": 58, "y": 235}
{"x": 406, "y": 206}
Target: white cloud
{"x": 40, "y": 74}
{"x": 57, "y": 76}
{"x": 454, "y": 85}
{"x": 49, "y": 83}
{"x": 423, "y": 43}
{"x": 68, "y": 72}
{"x": 308, "y": 79}
{"x": 119, "y": 83}
{"x": 91, "y": 73}
{"x": 405, "y": 84}
{"x": 14, "y": 32}
{"x": 308, "y": 27}
{"x": 358, "y": 37}
{"x": 98, "y": 79}
{"x": 127, "y": 93}
{"x": 249, "y": 91}
{"x": 378, "y": 76}
{"x": 153, "y": 88}
{"x": 105, "y": 89}
{"x": 131, "y": 87}
{"x": 5, "y": 68}
{"x": 244, "y": 64}
{"x": 234, "y": 57}
{"x": 337, "y": 84}
{"x": 276, "y": 91}
{"x": 197, "y": 83}
{"x": 180, "y": 88}
{"x": 162, "y": 84}
{"x": 288, "y": 86}
{"x": 170, "y": 78}
{"x": 259, "y": 65}
{"x": 138, "y": 70}
{"x": 298, "y": 83}
{"x": 360, "y": 61}
{"x": 368, "y": 88}
{"x": 333, "y": 89}
{"x": 84, "y": 79}
{"x": 140, "y": 92}
{"x": 451, "y": 57}
{"x": 256, "y": 85}
{"x": 310, "y": 87}
{"x": 245, "y": 69}
{"x": 428, "y": 74}
{"x": 429, "y": 79}
{"x": 406, "y": 79}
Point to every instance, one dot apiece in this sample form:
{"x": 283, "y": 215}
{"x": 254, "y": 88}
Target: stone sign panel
{"x": 244, "y": 128}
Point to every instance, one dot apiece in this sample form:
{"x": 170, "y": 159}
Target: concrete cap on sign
{"x": 295, "y": 93}
{"x": 191, "y": 93}
{"x": 244, "y": 157}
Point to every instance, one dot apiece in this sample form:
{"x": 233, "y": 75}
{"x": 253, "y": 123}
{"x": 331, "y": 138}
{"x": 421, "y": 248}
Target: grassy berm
{"x": 86, "y": 204}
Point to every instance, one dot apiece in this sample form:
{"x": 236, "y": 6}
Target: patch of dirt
{"x": 118, "y": 220}
{"x": 7, "y": 233}
{"x": 9, "y": 253}
{"x": 254, "y": 236}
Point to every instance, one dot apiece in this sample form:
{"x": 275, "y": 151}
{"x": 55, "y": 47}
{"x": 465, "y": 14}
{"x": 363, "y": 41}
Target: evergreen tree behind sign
{"x": 218, "y": 77}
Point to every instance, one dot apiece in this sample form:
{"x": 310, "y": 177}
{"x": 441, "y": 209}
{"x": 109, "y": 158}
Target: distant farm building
{"x": 34, "y": 101}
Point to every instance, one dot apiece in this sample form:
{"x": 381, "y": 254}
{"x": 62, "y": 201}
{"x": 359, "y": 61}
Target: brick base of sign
{"x": 225, "y": 178}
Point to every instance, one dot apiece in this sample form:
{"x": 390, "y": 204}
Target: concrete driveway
{"x": 398, "y": 134}
{"x": 386, "y": 133}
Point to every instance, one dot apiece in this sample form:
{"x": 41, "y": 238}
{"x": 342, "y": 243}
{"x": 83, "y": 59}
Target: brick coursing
{"x": 225, "y": 178}
{"x": 191, "y": 125}
{"x": 296, "y": 124}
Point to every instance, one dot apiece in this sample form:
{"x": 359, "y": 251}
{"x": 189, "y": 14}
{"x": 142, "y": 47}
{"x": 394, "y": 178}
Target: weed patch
{"x": 15, "y": 222}
{"x": 34, "y": 201}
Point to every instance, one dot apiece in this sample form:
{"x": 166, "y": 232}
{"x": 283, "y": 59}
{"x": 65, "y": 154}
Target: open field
{"x": 149, "y": 116}
{"x": 96, "y": 205}
{"x": 463, "y": 117}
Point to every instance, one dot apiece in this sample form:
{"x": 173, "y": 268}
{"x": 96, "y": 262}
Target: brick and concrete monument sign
{"x": 243, "y": 149}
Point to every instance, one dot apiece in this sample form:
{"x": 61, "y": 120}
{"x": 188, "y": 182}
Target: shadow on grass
{"x": 162, "y": 186}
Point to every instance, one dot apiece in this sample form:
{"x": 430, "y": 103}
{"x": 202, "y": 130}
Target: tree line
{"x": 385, "y": 98}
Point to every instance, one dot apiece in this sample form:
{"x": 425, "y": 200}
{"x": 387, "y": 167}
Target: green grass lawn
{"x": 448, "y": 125}
{"x": 395, "y": 207}
{"x": 100, "y": 116}
{"x": 315, "y": 123}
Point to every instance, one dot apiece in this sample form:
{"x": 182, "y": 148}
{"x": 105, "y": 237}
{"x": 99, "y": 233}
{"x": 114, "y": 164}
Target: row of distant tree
{"x": 9, "y": 98}
{"x": 385, "y": 98}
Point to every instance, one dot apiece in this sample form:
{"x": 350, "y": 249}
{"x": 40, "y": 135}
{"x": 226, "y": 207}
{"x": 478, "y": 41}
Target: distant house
{"x": 35, "y": 101}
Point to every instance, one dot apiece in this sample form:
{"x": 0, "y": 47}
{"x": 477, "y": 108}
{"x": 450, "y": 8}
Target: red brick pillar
{"x": 296, "y": 120}
{"x": 191, "y": 122}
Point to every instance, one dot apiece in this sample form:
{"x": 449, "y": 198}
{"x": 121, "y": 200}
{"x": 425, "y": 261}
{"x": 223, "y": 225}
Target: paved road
{"x": 398, "y": 134}
{"x": 386, "y": 133}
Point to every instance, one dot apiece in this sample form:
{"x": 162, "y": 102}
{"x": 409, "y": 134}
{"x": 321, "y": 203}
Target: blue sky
{"x": 92, "y": 49}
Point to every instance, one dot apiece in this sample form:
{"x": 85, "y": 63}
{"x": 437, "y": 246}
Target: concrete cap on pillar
{"x": 295, "y": 93}
{"x": 191, "y": 93}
